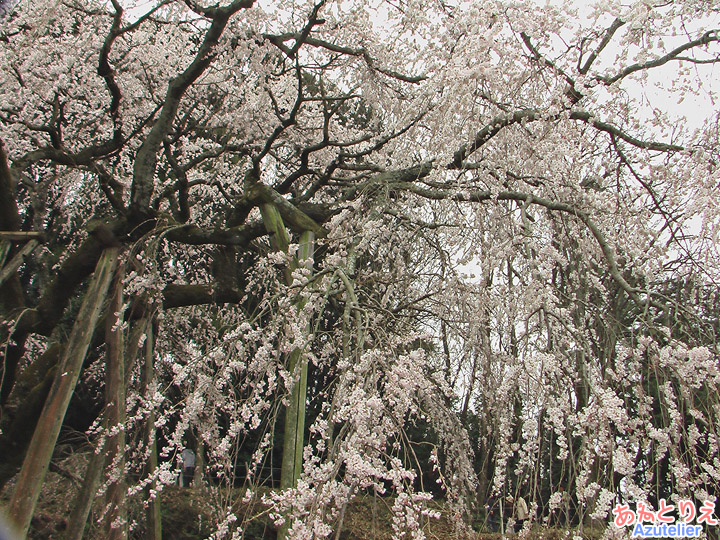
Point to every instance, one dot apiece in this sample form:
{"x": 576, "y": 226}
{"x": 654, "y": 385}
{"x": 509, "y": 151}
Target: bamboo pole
{"x": 279, "y": 238}
{"x": 296, "y": 408}
{"x": 35, "y": 466}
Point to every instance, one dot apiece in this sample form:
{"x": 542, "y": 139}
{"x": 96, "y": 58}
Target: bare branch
{"x": 107, "y": 73}
{"x": 609, "y": 33}
{"x": 360, "y": 53}
{"x": 146, "y": 158}
{"x": 530, "y": 115}
{"x": 705, "y": 39}
{"x": 617, "y": 132}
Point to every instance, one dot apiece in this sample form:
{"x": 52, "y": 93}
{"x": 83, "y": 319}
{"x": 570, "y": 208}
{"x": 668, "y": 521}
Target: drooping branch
{"x": 486, "y": 195}
{"x": 614, "y": 131}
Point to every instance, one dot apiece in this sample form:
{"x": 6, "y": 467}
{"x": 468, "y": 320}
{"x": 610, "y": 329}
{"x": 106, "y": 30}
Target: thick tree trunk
{"x": 37, "y": 459}
{"x": 19, "y": 419}
{"x": 50, "y": 309}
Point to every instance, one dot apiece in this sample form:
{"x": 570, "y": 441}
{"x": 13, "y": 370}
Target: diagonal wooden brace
{"x": 37, "y": 459}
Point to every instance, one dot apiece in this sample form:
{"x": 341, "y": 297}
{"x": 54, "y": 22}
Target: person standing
{"x": 188, "y": 466}
{"x": 521, "y": 512}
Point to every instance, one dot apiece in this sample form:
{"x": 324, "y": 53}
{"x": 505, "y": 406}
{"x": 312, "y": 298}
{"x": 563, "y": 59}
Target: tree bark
{"x": 37, "y": 459}
{"x": 9, "y": 217}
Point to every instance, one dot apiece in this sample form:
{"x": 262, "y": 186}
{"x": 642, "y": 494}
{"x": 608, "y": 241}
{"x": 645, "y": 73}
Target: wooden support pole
{"x": 84, "y": 500}
{"x": 153, "y": 514}
{"x": 295, "y": 412}
{"x": 83, "y": 503}
{"x": 297, "y": 220}
{"x": 115, "y": 514}
{"x": 279, "y": 238}
{"x": 37, "y": 460}
{"x": 21, "y": 236}
{"x": 5, "y": 246}
{"x": 10, "y": 268}
{"x": 294, "y": 428}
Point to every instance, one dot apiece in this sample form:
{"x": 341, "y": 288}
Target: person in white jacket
{"x": 520, "y": 512}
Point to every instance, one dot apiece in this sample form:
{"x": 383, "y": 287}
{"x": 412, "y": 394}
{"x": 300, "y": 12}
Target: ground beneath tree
{"x": 187, "y": 514}
{"x": 190, "y": 514}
